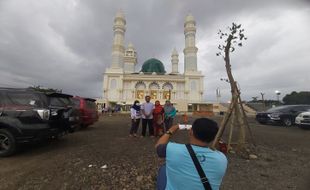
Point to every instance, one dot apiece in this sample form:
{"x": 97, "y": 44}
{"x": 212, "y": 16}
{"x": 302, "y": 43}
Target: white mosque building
{"x": 123, "y": 84}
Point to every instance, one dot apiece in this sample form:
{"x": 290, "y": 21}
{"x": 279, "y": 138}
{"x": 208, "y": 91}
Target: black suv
{"x": 26, "y": 116}
{"x": 284, "y": 115}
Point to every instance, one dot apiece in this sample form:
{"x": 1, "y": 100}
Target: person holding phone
{"x": 180, "y": 170}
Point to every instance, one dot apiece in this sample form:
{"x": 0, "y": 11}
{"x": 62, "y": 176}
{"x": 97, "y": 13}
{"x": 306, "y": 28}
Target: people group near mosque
{"x": 156, "y": 119}
{"x": 195, "y": 165}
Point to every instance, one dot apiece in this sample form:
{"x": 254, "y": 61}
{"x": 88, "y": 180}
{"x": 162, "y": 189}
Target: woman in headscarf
{"x": 158, "y": 119}
{"x": 170, "y": 113}
{"x": 135, "y": 118}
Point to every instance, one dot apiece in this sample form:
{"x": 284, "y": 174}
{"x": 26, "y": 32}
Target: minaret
{"x": 118, "y": 41}
{"x": 175, "y": 61}
{"x": 190, "y": 50}
{"x": 130, "y": 59}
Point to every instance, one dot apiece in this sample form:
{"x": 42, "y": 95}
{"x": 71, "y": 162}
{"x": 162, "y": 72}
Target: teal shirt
{"x": 172, "y": 113}
{"x": 181, "y": 172}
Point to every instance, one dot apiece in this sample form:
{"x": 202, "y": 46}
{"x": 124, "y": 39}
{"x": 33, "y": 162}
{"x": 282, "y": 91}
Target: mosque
{"x": 122, "y": 83}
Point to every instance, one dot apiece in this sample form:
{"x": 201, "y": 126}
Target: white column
{"x": 190, "y": 50}
{"x": 175, "y": 61}
{"x": 118, "y": 41}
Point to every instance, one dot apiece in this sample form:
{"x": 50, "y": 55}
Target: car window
{"x": 76, "y": 102}
{"x": 1, "y": 102}
{"x": 299, "y": 108}
{"x": 56, "y": 102}
{"x": 23, "y": 99}
{"x": 66, "y": 101}
{"x": 279, "y": 108}
{"x": 305, "y": 108}
{"x": 90, "y": 104}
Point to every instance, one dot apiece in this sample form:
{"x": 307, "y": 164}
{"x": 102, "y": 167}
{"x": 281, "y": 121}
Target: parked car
{"x": 25, "y": 116}
{"x": 303, "y": 120}
{"x": 284, "y": 115}
{"x": 64, "y": 102}
{"x": 88, "y": 110}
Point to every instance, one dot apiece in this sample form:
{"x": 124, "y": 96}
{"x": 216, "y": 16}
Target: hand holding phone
{"x": 185, "y": 126}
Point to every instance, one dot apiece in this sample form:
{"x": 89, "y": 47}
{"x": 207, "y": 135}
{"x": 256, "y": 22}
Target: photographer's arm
{"x": 164, "y": 139}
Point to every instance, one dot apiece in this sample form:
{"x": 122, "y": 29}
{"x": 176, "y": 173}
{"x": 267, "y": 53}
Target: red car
{"x": 88, "y": 110}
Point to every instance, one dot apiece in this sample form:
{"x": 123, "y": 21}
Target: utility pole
{"x": 278, "y": 93}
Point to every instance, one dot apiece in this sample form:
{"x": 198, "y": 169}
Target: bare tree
{"x": 235, "y": 114}
{"x": 263, "y": 100}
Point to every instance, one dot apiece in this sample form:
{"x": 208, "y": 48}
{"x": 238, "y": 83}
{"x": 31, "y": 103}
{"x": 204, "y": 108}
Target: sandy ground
{"x": 76, "y": 161}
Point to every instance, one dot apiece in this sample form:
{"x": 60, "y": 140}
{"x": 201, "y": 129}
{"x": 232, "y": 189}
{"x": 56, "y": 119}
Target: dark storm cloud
{"x": 67, "y": 44}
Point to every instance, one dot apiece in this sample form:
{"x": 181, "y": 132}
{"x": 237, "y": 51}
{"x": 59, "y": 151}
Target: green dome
{"x": 153, "y": 65}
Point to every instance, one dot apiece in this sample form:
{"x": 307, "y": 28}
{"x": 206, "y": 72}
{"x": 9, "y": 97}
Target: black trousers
{"x": 134, "y": 126}
{"x": 148, "y": 122}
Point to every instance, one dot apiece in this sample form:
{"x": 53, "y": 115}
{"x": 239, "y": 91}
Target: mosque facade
{"x": 123, "y": 84}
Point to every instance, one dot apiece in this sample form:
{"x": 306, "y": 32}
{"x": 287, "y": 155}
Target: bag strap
{"x": 201, "y": 173}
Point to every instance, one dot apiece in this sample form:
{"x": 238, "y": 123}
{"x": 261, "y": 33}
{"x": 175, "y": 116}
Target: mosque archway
{"x": 167, "y": 87}
{"x": 140, "y": 88}
{"x": 154, "y": 90}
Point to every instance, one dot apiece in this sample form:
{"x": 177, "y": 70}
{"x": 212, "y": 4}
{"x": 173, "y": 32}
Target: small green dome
{"x": 153, "y": 65}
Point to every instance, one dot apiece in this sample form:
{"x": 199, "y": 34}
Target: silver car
{"x": 303, "y": 120}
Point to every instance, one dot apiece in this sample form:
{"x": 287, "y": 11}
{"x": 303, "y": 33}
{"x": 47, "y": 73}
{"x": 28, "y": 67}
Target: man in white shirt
{"x": 147, "y": 116}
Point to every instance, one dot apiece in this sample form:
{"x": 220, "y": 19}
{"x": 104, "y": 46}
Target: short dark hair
{"x": 205, "y": 129}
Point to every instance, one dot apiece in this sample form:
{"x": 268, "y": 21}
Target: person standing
{"x": 135, "y": 118}
{"x": 170, "y": 113}
{"x": 158, "y": 119}
{"x": 147, "y": 116}
{"x": 184, "y": 161}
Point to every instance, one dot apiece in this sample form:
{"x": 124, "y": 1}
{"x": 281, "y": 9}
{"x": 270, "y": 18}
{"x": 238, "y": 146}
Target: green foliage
{"x": 268, "y": 103}
{"x": 297, "y": 98}
{"x": 233, "y": 37}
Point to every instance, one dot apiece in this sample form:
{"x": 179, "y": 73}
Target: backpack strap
{"x": 203, "y": 178}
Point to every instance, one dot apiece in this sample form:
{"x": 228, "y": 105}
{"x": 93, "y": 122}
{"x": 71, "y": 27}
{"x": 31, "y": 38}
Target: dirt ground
{"x": 76, "y": 161}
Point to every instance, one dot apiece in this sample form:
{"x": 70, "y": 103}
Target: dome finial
{"x": 189, "y": 18}
{"x": 119, "y": 14}
{"x": 174, "y": 51}
{"x": 130, "y": 46}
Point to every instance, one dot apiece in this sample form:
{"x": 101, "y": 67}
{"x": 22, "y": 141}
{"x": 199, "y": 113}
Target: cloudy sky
{"x": 66, "y": 44}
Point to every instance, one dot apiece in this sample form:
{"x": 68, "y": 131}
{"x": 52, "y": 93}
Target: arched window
{"x": 140, "y": 87}
{"x": 167, "y": 87}
{"x": 154, "y": 87}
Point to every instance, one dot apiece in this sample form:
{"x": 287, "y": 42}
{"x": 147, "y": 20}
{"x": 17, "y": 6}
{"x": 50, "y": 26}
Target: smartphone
{"x": 185, "y": 126}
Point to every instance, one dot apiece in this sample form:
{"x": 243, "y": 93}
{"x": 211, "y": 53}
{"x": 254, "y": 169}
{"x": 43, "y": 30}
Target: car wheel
{"x": 287, "y": 122}
{"x": 7, "y": 143}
